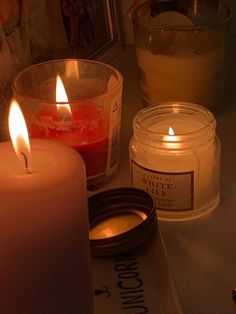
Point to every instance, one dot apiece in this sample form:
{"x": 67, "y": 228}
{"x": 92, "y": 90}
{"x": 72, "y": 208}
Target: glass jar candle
{"x": 181, "y": 49}
{"x": 77, "y": 102}
{"x": 175, "y": 156}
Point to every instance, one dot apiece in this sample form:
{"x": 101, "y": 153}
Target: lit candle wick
{"x": 26, "y": 163}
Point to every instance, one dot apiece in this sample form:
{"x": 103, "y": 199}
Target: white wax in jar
{"x": 171, "y": 19}
{"x": 192, "y": 77}
{"x": 44, "y": 243}
{"x": 193, "y": 169}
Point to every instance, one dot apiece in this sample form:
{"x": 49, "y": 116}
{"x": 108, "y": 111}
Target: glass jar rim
{"x": 113, "y": 90}
{"x": 164, "y": 108}
{"x": 226, "y": 19}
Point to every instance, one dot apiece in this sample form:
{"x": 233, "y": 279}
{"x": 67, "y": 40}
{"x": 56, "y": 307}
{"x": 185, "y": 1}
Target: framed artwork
{"x": 84, "y": 28}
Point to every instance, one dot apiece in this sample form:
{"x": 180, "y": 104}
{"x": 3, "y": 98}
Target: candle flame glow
{"x": 171, "y": 140}
{"x": 19, "y": 134}
{"x": 171, "y": 131}
{"x": 171, "y": 135}
{"x": 61, "y": 96}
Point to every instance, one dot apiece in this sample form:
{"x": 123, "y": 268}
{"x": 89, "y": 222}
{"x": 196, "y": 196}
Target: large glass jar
{"x": 181, "y": 49}
{"x": 175, "y": 156}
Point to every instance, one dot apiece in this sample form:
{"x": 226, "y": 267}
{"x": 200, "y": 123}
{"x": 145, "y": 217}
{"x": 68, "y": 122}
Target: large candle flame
{"x": 61, "y": 96}
{"x": 19, "y": 135}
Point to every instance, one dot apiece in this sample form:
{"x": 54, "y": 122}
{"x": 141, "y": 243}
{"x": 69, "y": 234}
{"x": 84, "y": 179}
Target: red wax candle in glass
{"x": 92, "y": 94}
{"x": 86, "y": 130}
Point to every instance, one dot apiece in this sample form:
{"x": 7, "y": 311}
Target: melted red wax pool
{"x": 86, "y": 130}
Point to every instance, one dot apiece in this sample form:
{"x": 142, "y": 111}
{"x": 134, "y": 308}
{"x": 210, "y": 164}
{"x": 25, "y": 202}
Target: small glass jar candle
{"x": 175, "y": 156}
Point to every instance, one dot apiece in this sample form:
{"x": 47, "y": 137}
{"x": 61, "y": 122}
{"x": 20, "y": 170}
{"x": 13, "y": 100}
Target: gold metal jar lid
{"x": 120, "y": 219}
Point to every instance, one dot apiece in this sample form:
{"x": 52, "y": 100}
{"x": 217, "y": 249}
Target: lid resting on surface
{"x": 120, "y": 220}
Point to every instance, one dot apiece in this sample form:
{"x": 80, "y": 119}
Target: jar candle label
{"x": 171, "y": 190}
{"x": 114, "y": 135}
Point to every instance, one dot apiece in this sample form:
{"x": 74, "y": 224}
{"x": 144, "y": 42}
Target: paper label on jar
{"x": 114, "y": 134}
{"x": 171, "y": 190}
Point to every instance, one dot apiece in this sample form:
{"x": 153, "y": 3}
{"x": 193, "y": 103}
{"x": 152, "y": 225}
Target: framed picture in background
{"x": 35, "y": 31}
{"x": 84, "y": 28}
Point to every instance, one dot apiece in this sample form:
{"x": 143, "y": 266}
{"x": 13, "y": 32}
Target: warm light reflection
{"x": 72, "y": 69}
{"x": 61, "y": 96}
{"x": 19, "y": 134}
{"x": 175, "y": 108}
{"x": 195, "y": 7}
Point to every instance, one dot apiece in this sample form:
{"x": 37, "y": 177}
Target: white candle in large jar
{"x": 175, "y": 156}
{"x": 44, "y": 242}
{"x": 190, "y": 77}
{"x": 181, "y": 56}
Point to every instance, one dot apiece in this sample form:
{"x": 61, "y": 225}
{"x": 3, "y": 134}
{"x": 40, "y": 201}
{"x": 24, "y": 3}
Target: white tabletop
{"x": 202, "y": 252}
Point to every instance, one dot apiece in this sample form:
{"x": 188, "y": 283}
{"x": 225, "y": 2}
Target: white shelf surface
{"x": 201, "y": 252}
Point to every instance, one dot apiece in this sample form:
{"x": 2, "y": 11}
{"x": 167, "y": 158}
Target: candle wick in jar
{"x": 26, "y": 163}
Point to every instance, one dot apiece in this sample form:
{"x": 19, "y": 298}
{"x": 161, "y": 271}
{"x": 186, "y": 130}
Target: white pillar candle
{"x": 44, "y": 243}
{"x": 179, "y": 166}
